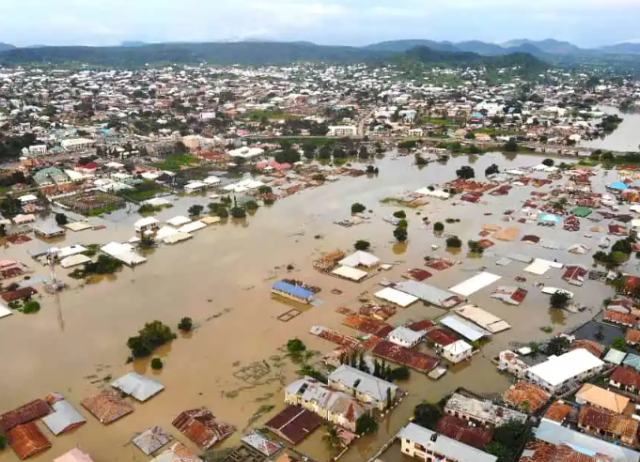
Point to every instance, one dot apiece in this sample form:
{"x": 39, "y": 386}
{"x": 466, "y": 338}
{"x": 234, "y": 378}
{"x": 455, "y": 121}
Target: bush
{"x": 251, "y": 205}
{"x": 3, "y": 442}
{"x": 400, "y": 234}
{"x": 401, "y": 214}
{"x": 475, "y": 247}
{"x": 438, "y": 227}
{"x": 151, "y": 336}
{"x": 465, "y": 172}
{"x": 492, "y": 170}
{"x": 265, "y": 189}
{"x": 403, "y": 224}
{"x": 548, "y": 162}
{"x": 156, "y": 364}
{"x": 195, "y": 210}
{"x": 427, "y": 415}
{"x": 559, "y": 299}
{"x": 31, "y": 307}
{"x": 366, "y": 424}
{"x": 362, "y": 245}
{"x": 61, "y": 219}
{"x": 454, "y": 242}
{"x": 358, "y": 208}
{"x": 185, "y": 325}
{"x": 619, "y": 344}
{"x": 238, "y": 212}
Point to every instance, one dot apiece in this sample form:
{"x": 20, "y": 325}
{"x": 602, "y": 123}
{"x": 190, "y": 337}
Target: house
{"x": 558, "y": 411}
{"x": 64, "y": 418}
{"x": 457, "y": 351}
{"x": 526, "y": 396}
{"x": 178, "y": 452}
{"x": 201, "y": 428}
{"x": 294, "y": 424}
{"x": 481, "y": 412}
{"x": 107, "y": 406}
{"x": 633, "y": 337}
{"x": 364, "y": 387}
{"x": 334, "y": 406}
{"x": 146, "y": 224}
{"x": 460, "y": 430}
{"x": 426, "y": 445}
{"x": 623, "y": 319}
{"x": 599, "y": 397}
{"x": 608, "y": 424}
{"x": 24, "y": 414}
{"x": 27, "y": 440}
{"x": 151, "y": 440}
{"x": 343, "y": 131}
{"x": 48, "y": 231}
{"x": 140, "y": 387}
{"x": 88, "y": 169}
{"x": 560, "y": 372}
{"x": 405, "y": 337}
{"x": 360, "y": 258}
{"x": 75, "y": 455}
{"x": 77, "y": 144}
{"x": 626, "y": 379}
{"x": 50, "y": 176}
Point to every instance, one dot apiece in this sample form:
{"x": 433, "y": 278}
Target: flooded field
{"x": 221, "y": 279}
{"x": 625, "y": 138}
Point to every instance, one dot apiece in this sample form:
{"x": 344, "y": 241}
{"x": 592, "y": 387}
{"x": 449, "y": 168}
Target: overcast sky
{"x": 344, "y": 22}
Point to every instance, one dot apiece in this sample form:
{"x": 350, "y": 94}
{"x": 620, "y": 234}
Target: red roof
{"x": 401, "y": 355}
{"x": 421, "y": 326}
{"x": 89, "y": 166}
{"x": 29, "y": 412}
{"x": 294, "y": 424}
{"x": 626, "y": 376}
{"x": 460, "y": 430}
{"x": 441, "y": 337}
{"x": 27, "y": 440}
{"x": 625, "y": 319}
{"x": 19, "y": 294}
{"x": 201, "y": 427}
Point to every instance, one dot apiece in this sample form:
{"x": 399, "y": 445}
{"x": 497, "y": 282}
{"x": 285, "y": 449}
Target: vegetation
{"x": 31, "y": 307}
{"x": 427, "y": 415}
{"x": 251, "y": 205}
{"x": 195, "y": 210}
{"x": 151, "y": 336}
{"x": 400, "y": 214}
{"x": 557, "y": 346}
{"x": 508, "y": 440}
{"x": 219, "y": 210}
{"x": 61, "y": 219}
{"x": 297, "y": 350}
{"x": 332, "y": 440}
{"x": 357, "y": 208}
{"x": 619, "y": 343}
{"x": 156, "y": 364}
{"x": 185, "y": 325}
{"x": 438, "y": 227}
{"x": 103, "y": 265}
{"x": 366, "y": 424}
{"x": 3, "y": 442}
{"x": 148, "y": 209}
{"x": 454, "y": 242}
{"x": 308, "y": 371}
{"x": 144, "y": 191}
{"x": 511, "y": 146}
{"x": 238, "y": 212}
{"x": 362, "y": 245}
{"x": 492, "y": 169}
{"x": 548, "y": 162}
{"x": 400, "y": 234}
{"x": 175, "y": 162}
{"x": 475, "y": 247}
{"x": 421, "y": 160}
{"x": 559, "y": 300}
{"x": 465, "y": 172}
{"x": 403, "y": 224}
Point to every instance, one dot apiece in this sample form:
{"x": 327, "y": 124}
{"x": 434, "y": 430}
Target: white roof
{"x": 195, "y": 185}
{"x": 482, "y": 318}
{"x": 74, "y": 260}
{"x": 28, "y": 198}
{"x": 157, "y": 202}
{"x": 180, "y": 220}
{"x": 558, "y": 369}
{"x": 144, "y": 222}
{"x": 360, "y": 258}
{"x": 405, "y": 335}
{"x": 552, "y": 290}
{"x": 64, "y": 416}
{"x": 211, "y": 180}
{"x": 395, "y": 296}
{"x": 75, "y": 455}
{"x": 464, "y": 328}
{"x": 140, "y": 387}
{"x": 363, "y": 382}
{"x": 177, "y": 237}
{"x": 347, "y": 272}
{"x": 193, "y": 226}
{"x": 4, "y": 311}
{"x": 123, "y": 252}
{"x": 74, "y": 249}
{"x": 165, "y": 232}
{"x": 435, "y": 193}
{"x": 474, "y": 284}
{"x": 458, "y": 347}
{"x": 246, "y": 152}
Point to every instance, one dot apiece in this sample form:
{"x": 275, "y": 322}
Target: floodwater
{"x": 234, "y": 363}
{"x": 625, "y": 138}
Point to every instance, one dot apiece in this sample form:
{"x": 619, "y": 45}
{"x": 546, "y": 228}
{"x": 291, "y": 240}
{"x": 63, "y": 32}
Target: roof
{"x": 558, "y": 411}
{"x": 474, "y": 284}
{"x": 294, "y": 424}
{"x": 74, "y": 260}
{"x": 261, "y": 444}
{"x": 482, "y": 318}
{"x": 107, "y": 406}
{"x": 460, "y": 430}
{"x": 362, "y": 382}
{"x": 144, "y": 222}
{"x": 525, "y": 392}
{"x": 558, "y": 369}
{"x": 458, "y": 347}
{"x": 554, "y": 433}
{"x": 396, "y": 297}
{"x": 632, "y": 360}
{"x": 4, "y": 311}
{"x": 193, "y": 226}
{"x": 29, "y": 412}
{"x": 336, "y": 402}
{"x": 601, "y": 419}
{"x": 201, "y": 427}
{"x": 464, "y": 328}
{"x": 64, "y": 418}
{"x": 626, "y": 376}
{"x": 360, "y": 258}
{"x": 600, "y": 397}
{"x": 179, "y": 221}
{"x": 75, "y": 455}
{"x": 441, "y": 336}
{"x": 593, "y": 347}
{"x": 140, "y": 387}
{"x": 615, "y": 356}
{"x": 290, "y": 289}
{"x": 350, "y": 273}
{"x": 448, "y": 447}
{"x": 482, "y": 410}
{"x": 27, "y": 440}
{"x": 430, "y": 294}
{"x": 405, "y": 335}
{"x": 414, "y": 359}
{"x": 151, "y": 440}
{"x": 178, "y": 452}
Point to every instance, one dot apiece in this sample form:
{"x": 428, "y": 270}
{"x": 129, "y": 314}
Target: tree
{"x": 238, "y": 212}
{"x": 469, "y": 136}
{"x": 465, "y": 172}
{"x": 156, "y": 364}
{"x": 511, "y": 146}
{"x": 31, "y": 307}
{"x": 264, "y": 189}
{"x": 475, "y": 247}
{"x": 559, "y": 299}
{"x": 512, "y": 434}
{"x": 401, "y": 214}
{"x": 389, "y": 399}
{"x": 400, "y": 373}
{"x": 400, "y": 234}
{"x": 251, "y": 205}
{"x": 185, "y": 325}
{"x": 61, "y": 219}
{"x": 362, "y": 245}
{"x": 420, "y": 160}
{"x": 557, "y": 346}
{"x": 427, "y": 415}
{"x": 366, "y": 424}
{"x": 548, "y": 162}
{"x": 502, "y": 452}
{"x": 331, "y": 439}
{"x": 195, "y": 210}
{"x": 438, "y": 227}
{"x": 619, "y": 343}
{"x": 403, "y": 224}
{"x": 454, "y": 242}
{"x": 150, "y": 337}
{"x": 492, "y": 169}
{"x": 3, "y": 442}
{"x": 357, "y": 208}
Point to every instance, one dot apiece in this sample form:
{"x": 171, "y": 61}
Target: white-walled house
{"x": 364, "y": 387}
{"x": 559, "y": 372}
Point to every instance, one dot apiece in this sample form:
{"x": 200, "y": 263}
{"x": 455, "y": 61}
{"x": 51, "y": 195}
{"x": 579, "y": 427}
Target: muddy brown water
{"x": 221, "y": 279}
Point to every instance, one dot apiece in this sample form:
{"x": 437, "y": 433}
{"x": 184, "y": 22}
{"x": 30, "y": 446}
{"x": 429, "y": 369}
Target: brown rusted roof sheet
{"x": 107, "y": 406}
{"x": 27, "y": 440}
{"x": 633, "y": 336}
{"x": 442, "y": 337}
{"x": 24, "y": 414}
{"x": 601, "y": 419}
{"x": 558, "y": 412}
{"x": 626, "y": 376}
{"x": 591, "y": 346}
{"x": 413, "y": 359}
{"x": 201, "y": 427}
{"x": 620, "y": 318}
{"x": 460, "y": 430}
{"x": 19, "y": 294}
{"x": 525, "y": 392}
{"x": 421, "y": 326}
{"x": 294, "y": 424}
{"x": 368, "y": 325}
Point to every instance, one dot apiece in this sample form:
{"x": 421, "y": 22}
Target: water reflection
{"x": 558, "y": 317}
{"x": 400, "y": 248}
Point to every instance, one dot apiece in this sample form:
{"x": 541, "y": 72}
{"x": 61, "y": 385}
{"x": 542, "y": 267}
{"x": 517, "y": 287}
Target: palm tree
{"x": 332, "y": 439}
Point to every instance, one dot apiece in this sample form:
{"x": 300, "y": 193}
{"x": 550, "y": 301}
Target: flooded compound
{"x": 234, "y": 362}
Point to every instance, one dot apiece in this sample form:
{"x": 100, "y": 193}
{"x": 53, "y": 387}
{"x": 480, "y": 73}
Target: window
{"x": 419, "y": 447}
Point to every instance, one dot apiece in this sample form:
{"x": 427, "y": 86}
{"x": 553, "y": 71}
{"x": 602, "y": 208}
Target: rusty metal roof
{"x": 201, "y": 427}
{"x": 107, "y": 406}
{"x": 27, "y": 440}
{"x": 525, "y": 392}
{"x": 31, "y": 411}
{"x": 294, "y": 424}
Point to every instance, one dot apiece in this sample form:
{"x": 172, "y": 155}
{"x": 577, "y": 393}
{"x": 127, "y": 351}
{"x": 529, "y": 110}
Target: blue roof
{"x": 296, "y": 291}
{"x": 550, "y": 217}
{"x": 477, "y": 115}
{"x": 632, "y": 361}
{"x": 619, "y": 185}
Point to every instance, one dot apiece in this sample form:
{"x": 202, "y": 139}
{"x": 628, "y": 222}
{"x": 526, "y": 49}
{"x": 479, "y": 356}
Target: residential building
{"x": 50, "y": 176}
{"x": 364, "y": 387}
{"x": 343, "y": 131}
{"x": 426, "y": 445}
{"x": 480, "y": 411}
{"x": 626, "y": 379}
{"x": 334, "y": 406}
{"x": 608, "y": 424}
{"x": 457, "y": 351}
{"x": 560, "y": 372}
{"x": 599, "y": 397}
{"x": 405, "y": 337}
{"x": 77, "y": 144}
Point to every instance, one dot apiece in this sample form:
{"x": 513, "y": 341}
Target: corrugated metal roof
{"x": 151, "y": 440}
{"x": 27, "y": 440}
{"x": 464, "y": 328}
{"x": 140, "y": 387}
{"x": 296, "y": 291}
{"x": 64, "y": 418}
{"x": 31, "y": 411}
{"x": 107, "y": 406}
{"x": 201, "y": 427}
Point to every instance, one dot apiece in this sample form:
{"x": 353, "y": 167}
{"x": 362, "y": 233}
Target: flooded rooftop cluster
{"x": 318, "y": 262}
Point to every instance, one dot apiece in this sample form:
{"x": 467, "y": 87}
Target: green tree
{"x": 557, "y": 346}
{"x": 403, "y": 224}
{"x": 31, "y": 307}
{"x": 389, "y": 399}
{"x": 400, "y": 234}
{"x": 454, "y": 242}
{"x": 400, "y": 373}
{"x": 492, "y": 169}
{"x": 465, "y": 172}
{"x": 438, "y": 227}
{"x": 3, "y": 442}
{"x": 420, "y": 160}
{"x": 366, "y": 424}
{"x": 357, "y": 208}
{"x": 427, "y": 415}
{"x": 150, "y": 337}
{"x": 559, "y": 299}
{"x": 548, "y": 162}
{"x": 185, "y": 325}
{"x": 156, "y": 364}
{"x": 61, "y": 219}
{"x": 511, "y": 146}
{"x": 512, "y": 434}
{"x": 362, "y": 245}
{"x": 331, "y": 439}
{"x": 264, "y": 189}
{"x": 400, "y": 214}
{"x": 475, "y": 247}
{"x": 619, "y": 343}
{"x": 195, "y": 210}
{"x": 503, "y": 453}
{"x": 238, "y": 212}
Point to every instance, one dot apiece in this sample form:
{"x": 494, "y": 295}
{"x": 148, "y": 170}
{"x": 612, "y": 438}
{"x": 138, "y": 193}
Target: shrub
{"x": 559, "y": 299}
{"x": 400, "y": 234}
{"x": 403, "y": 224}
{"x": 156, "y": 364}
{"x": 362, "y": 245}
{"x": 548, "y": 162}
{"x": 358, "y": 208}
{"x": 150, "y": 337}
{"x": 61, "y": 219}
{"x": 195, "y": 210}
{"x": 31, "y": 307}
{"x": 454, "y": 242}
{"x": 401, "y": 214}
{"x": 438, "y": 227}
{"x": 238, "y": 212}
{"x": 185, "y": 325}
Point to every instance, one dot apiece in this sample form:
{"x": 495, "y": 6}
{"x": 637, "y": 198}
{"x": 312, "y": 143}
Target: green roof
{"x": 582, "y": 212}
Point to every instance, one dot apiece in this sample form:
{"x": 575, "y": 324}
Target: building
{"x": 481, "y": 412}
{"x": 75, "y": 455}
{"x": 405, "y": 337}
{"x": 140, "y": 387}
{"x": 334, "y": 406}
{"x": 457, "y": 351}
{"x": 429, "y": 446}
{"x": 599, "y": 397}
{"x": 364, "y": 387}
{"x": 626, "y": 379}
{"x": 605, "y": 423}
{"x": 201, "y": 428}
{"x": 526, "y": 396}
{"x": 50, "y": 176}
{"x": 246, "y": 153}
{"x": 343, "y": 131}
{"x": 296, "y": 293}
{"x": 294, "y": 424}
{"x": 77, "y": 144}
{"x": 560, "y": 372}
{"x": 146, "y": 224}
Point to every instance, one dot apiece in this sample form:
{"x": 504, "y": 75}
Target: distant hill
{"x": 482, "y": 48}
{"x": 6, "y": 46}
{"x": 400, "y": 46}
{"x": 133, "y": 43}
{"x": 550, "y": 46}
{"x": 622, "y": 48}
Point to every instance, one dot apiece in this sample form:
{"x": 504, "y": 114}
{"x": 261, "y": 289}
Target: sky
{"x": 587, "y": 23}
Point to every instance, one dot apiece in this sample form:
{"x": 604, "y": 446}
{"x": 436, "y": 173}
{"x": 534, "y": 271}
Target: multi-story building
{"x": 481, "y": 412}
{"x": 560, "y": 372}
{"x": 364, "y": 387}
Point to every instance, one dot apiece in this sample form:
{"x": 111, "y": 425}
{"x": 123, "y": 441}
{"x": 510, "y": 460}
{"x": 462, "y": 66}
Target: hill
{"x": 550, "y": 46}
{"x": 401, "y": 46}
{"x": 622, "y": 48}
{"x": 6, "y": 46}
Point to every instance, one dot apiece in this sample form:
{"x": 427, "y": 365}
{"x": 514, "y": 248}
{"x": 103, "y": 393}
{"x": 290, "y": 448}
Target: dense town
{"x": 330, "y": 263}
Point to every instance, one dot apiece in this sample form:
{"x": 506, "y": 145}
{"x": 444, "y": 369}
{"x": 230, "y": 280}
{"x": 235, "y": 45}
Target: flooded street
{"x": 222, "y": 280}
{"x": 625, "y": 138}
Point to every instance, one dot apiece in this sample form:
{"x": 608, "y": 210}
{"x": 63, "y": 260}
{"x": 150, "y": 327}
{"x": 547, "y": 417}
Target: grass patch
{"x": 103, "y": 210}
{"x": 547, "y": 329}
{"x": 176, "y": 162}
